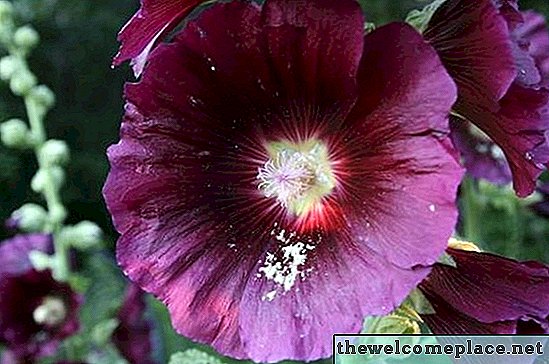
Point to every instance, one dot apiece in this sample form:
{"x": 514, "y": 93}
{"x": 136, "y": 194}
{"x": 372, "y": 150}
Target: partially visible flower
{"x": 133, "y": 335}
{"x": 482, "y": 158}
{"x": 280, "y": 175}
{"x": 8, "y": 357}
{"x": 535, "y": 36}
{"x": 485, "y": 48}
{"x": 487, "y": 294}
{"x": 36, "y": 312}
{"x": 154, "y": 19}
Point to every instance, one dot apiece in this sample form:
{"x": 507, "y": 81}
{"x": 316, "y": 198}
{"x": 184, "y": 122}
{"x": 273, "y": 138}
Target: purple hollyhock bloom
{"x": 499, "y": 84}
{"x": 132, "y": 336}
{"x": 487, "y": 294}
{"x": 535, "y": 35}
{"x": 154, "y": 19}
{"x": 36, "y": 312}
{"x": 8, "y": 357}
{"x": 481, "y": 157}
{"x": 280, "y": 175}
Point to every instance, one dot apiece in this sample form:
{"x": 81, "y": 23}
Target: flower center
{"x": 298, "y": 176}
{"x": 52, "y": 312}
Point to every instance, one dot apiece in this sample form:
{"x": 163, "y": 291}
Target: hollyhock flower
{"x": 8, "y": 357}
{"x": 280, "y": 175}
{"x": 36, "y": 311}
{"x": 499, "y": 86}
{"x": 487, "y": 294}
{"x": 132, "y": 336}
{"x": 535, "y": 36}
{"x": 154, "y": 19}
{"x": 481, "y": 157}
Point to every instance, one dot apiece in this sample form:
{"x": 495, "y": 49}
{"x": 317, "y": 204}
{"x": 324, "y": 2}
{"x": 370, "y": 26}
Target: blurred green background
{"x": 78, "y": 41}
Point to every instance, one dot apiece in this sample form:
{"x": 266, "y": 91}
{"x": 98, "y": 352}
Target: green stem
{"x": 56, "y": 210}
{"x": 470, "y": 211}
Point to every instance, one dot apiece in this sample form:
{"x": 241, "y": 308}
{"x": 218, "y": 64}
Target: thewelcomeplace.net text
{"x": 455, "y": 350}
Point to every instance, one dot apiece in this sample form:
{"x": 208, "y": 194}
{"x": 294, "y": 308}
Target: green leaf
{"x": 420, "y": 19}
{"x": 102, "y": 332}
{"x": 193, "y": 356}
{"x": 369, "y": 27}
{"x": 447, "y": 259}
{"x": 105, "y": 292}
{"x": 419, "y": 303}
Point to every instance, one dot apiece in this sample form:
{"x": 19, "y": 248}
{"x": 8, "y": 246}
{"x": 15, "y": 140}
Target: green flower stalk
{"x": 52, "y": 155}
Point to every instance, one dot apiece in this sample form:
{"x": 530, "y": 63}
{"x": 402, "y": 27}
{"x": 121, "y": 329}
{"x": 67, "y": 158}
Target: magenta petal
{"x": 472, "y": 39}
{"x": 343, "y": 286}
{"x": 403, "y": 159}
{"x": 132, "y": 336}
{"x": 154, "y": 18}
{"x": 449, "y": 321}
{"x": 488, "y": 289}
{"x": 14, "y": 253}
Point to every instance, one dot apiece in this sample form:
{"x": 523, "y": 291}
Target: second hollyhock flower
{"x": 280, "y": 176}
{"x": 487, "y": 294}
{"x": 36, "y": 312}
{"x": 497, "y": 57}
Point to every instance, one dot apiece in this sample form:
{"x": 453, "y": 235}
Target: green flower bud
{"x": 193, "y": 356}
{"x": 83, "y": 235}
{"x": 102, "y": 332}
{"x": 30, "y": 217}
{"x": 43, "y": 96}
{"x": 8, "y": 67}
{"x": 54, "y": 175}
{"x": 22, "y": 82}
{"x": 26, "y": 37}
{"x": 14, "y": 133}
{"x": 6, "y": 10}
{"x": 54, "y": 152}
{"x": 40, "y": 260}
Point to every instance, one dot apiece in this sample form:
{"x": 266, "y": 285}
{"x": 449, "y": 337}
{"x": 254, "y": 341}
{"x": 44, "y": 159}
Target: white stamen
{"x": 51, "y": 312}
{"x": 287, "y": 178}
{"x": 297, "y": 175}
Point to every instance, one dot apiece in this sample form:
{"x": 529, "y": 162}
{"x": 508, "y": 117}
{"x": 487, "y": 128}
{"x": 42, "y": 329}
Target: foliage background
{"x": 74, "y": 56}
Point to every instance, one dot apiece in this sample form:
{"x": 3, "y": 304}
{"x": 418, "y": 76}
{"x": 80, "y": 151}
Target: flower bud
{"x": 43, "y": 96}
{"x": 6, "y": 10}
{"x": 83, "y": 235}
{"x": 40, "y": 260}
{"x": 463, "y": 245}
{"x": 54, "y": 175}
{"x": 54, "y": 153}
{"x": 22, "y": 82}
{"x": 26, "y": 37}
{"x": 8, "y": 67}
{"x": 30, "y": 217}
{"x": 14, "y": 133}
{"x": 102, "y": 332}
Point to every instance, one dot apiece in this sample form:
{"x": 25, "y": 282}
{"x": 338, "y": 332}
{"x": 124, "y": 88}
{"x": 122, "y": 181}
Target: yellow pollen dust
{"x": 297, "y": 175}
